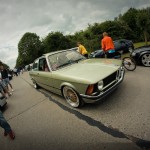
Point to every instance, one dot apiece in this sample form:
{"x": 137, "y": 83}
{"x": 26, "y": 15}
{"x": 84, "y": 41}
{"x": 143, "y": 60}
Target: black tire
{"x": 72, "y": 97}
{"x": 145, "y": 60}
{"x": 129, "y": 63}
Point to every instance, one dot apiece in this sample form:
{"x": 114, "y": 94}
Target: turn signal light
{"x": 90, "y": 89}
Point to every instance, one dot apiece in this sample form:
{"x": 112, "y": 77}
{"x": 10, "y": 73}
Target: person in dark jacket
{"x": 7, "y": 129}
{"x": 4, "y": 75}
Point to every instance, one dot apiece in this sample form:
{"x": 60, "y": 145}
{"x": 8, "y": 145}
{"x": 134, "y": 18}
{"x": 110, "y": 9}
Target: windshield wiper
{"x": 63, "y": 65}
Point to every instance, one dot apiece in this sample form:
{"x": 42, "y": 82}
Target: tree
{"x": 28, "y": 48}
{"x": 130, "y": 18}
{"x": 143, "y": 21}
{"x": 55, "y": 41}
{"x": 5, "y": 65}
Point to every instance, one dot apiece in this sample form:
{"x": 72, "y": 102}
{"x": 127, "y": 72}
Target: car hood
{"x": 88, "y": 71}
{"x": 142, "y": 49}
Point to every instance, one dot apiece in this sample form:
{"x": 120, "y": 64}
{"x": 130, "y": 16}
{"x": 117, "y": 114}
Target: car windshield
{"x": 64, "y": 58}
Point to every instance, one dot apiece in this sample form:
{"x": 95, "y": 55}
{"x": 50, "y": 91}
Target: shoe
{"x": 10, "y": 94}
{"x": 12, "y": 90}
{"x": 12, "y": 135}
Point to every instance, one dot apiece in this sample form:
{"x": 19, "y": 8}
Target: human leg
{"x": 5, "y": 88}
{"x": 4, "y": 124}
{"x": 8, "y": 83}
{"x": 7, "y": 129}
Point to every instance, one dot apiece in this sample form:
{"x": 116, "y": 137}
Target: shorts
{"x": 110, "y": 53}
{"x": 2, "y": 86}
{"x": 6, "y": 80}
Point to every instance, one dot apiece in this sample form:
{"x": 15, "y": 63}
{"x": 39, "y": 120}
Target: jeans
{"x": 4, "y": 124}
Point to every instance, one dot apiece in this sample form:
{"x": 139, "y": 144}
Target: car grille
{"x": 110, "y": 78}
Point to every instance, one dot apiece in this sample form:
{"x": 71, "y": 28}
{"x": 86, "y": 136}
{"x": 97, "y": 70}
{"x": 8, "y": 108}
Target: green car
{"x": 78, "y": 79}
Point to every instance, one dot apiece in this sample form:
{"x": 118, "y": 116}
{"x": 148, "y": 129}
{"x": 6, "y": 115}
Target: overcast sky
{"x": 43, "y": 16}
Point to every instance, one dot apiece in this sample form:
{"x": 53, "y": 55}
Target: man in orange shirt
{"x": 108, "y": 45}
{"x": 82, "y": 50}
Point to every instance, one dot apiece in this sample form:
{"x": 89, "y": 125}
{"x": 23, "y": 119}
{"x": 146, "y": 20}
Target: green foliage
{"x": 143, "y": 22}
{"x": 138, "y": 21}
{"x": 139, "y": 44}
{"x": 29, "y": 48}
{"x": 130, "y": 17}
{"x": 56, "y": 41}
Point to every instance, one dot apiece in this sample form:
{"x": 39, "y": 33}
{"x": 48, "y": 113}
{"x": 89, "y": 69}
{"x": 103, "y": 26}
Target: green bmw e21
{"x": 77, "y": 79}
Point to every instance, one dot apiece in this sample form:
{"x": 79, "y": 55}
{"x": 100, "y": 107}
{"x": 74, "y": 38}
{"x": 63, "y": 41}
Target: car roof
{"x": 55, "y": 52}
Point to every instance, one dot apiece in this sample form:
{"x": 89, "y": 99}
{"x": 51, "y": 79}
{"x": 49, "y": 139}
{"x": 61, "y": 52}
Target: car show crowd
{"x": 6, "y": 90}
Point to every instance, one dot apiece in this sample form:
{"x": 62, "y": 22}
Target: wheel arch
{"x": 67, "y": 84}
{"x": 139, "y": 59}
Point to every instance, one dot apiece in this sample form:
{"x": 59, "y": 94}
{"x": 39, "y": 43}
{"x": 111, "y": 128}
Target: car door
{"x": 123, "y": 45}
{"x": 34, "y": 73}
{"x": 44, "y": 77}
{"x": 117, "y": 45}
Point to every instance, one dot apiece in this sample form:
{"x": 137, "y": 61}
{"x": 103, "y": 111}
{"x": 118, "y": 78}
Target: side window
{"x": 117, "y": 45}
{"x": 43, "y": 65}
{"x": 35, "y": 65}
{"x": 122, "y": 44}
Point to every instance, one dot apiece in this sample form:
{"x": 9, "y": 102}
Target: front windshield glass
{"x": 64, "y": 58}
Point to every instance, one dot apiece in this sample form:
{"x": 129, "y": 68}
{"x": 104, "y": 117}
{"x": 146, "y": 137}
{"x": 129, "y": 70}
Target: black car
{"x": 97, "y": 54}
{"x": 142, "y": 55}
{"x": 122, "y": 45}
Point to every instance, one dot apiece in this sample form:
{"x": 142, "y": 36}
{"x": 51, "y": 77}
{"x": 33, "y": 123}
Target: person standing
{"x": 5, "y": 77}
{"x": 7, "y": 129}
{"x": 108, "y": 45}
{"x": 3, "y": 88}
{"x": 82, "y": 50}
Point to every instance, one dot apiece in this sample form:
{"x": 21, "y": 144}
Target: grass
{"x": 136, "y": 45}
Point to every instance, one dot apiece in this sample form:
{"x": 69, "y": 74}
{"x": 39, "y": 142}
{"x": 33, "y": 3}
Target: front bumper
{"x": 102, "y": 94}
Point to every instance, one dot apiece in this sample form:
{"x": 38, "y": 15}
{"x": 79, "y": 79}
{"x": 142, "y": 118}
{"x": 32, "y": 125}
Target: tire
{"x": 72, "y": 97}
{"x": 145, "y": 60}
{"x": 129, "y": 63}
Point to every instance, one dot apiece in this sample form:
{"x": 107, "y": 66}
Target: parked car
{"x": 122, "y": 46}
{"x": 142, "y": 55}
{"x": 97, "y": 54}
{"x": 78, "y": 79}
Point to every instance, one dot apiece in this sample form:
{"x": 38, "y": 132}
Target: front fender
{"x": 79, "y": 88}
{"x": 68, "y": 84}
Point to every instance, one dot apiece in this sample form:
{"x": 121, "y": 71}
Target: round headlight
{"x": 100, "y": 85}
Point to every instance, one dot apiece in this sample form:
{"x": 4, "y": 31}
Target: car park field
{"x": 43, "y": 120}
